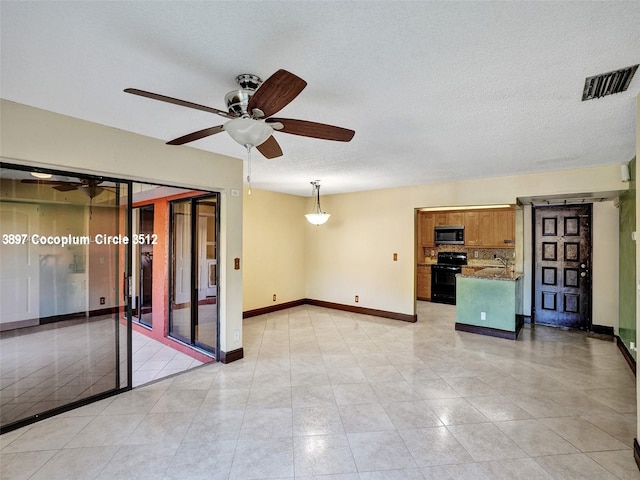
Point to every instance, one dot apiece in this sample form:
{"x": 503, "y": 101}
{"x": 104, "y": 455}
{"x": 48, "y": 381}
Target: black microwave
{"x": 449, "y": 235}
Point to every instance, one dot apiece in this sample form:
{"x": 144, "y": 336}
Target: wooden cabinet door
{"x": 426, "y": 223}
{"x": 505, "y": 228}
{"x": 423, "y": 283}
{"x": 441, "y": 219}
{"x": 455, "y": 218}
{"x": 472, "y": 228}
{"x": 487, "y": 228}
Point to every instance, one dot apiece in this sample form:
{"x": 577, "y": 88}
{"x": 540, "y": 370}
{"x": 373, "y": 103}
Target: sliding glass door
{"x": 142, "y": 271}
{"x": 194, "y": 272}
{"x": 64, "y": 306}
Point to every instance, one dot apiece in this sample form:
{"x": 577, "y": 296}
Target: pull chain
{"x": 249, "y": 167}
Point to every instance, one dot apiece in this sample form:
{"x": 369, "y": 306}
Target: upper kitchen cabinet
{"x": 487, "y": 228}
{"x": 455, "y": 218}
{"x": 471, "y": 224}
{"x": 426, "y": 224}
{"x": 448, "y": 219}
{"x": 505, "y": 227}
{"x": 490, "y": 228}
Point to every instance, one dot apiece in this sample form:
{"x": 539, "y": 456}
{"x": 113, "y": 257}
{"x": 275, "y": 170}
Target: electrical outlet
{"x": 102, "y": 300}
{"x": 483, "y": 315}
{"x": 475, "y": 254}
{"x": 274, "y": 297}
{"x": 236, "y": 335}
{"x": 357, "y": 298}
{"x": 395, "y": 257}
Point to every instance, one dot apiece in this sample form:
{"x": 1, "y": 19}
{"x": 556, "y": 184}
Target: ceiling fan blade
{"x": 270, "y": 148}
{"x": 57, "y": 184}
{"x": 177, "y": 101}
{"x": 276, "y": 92}
{"x": 313, "y": 129}
{"x": 196, "y": 135}
{"x": 65, "y": 188}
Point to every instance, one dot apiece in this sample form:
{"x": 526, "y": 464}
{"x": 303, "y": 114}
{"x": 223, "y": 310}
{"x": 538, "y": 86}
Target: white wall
{"x": 34, "y": 137}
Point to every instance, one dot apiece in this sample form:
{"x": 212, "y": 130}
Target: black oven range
{"x": 443, "y": 276}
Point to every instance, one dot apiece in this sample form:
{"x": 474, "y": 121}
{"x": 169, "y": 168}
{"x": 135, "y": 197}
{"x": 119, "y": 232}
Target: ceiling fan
{"x": 250, "y": 110}
{"x": 90, "y": 188}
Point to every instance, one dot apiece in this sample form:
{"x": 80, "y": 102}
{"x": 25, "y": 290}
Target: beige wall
{"x": 273, "y": 249}
{"x": 605, "y": 264}
{"x": 34, "y": 137}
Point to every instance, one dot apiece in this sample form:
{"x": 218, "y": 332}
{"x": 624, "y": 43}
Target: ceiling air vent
{"x": 608, "y": 83}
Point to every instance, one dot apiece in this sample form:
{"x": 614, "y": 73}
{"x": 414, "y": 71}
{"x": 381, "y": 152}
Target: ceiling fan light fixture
{"x": 247, "y": 131}
{"x": 318, "y": 217}
{"x": 41, "y": 175}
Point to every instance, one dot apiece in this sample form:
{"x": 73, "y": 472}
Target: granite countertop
{"x": 493, "y": 273}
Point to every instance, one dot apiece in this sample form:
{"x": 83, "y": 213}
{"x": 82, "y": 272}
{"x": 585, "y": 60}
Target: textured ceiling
{"x": 435, "y": 91}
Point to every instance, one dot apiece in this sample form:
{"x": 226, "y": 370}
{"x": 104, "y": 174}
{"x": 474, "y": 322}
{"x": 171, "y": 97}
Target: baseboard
{"x": 636, "y": 452}
{"x": 335, "y": 306}
{"x": 626, "y": 354}
{"x": 8, "y": 326}
{"x": 602, "y": 330}
{"x": 272, "y": 308}
{"x": 491, "y": 332}
{"x": 364, "y": 311}
{"x": 61, "y": 318}
{"x": 232, "y": 356}
{"x": 103, "y": 311}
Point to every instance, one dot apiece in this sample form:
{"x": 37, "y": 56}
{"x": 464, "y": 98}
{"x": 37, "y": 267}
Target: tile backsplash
{"x": 484, "y": 255}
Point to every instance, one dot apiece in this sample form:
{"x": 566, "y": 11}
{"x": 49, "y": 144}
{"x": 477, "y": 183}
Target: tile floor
{"x": 333, "y": 395}
{"x": 52, "y": 365}
{"x": 153, "y": 360}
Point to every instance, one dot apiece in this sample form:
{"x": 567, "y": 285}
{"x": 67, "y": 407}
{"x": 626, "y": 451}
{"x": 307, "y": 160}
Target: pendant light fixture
{"x": 318, "y": 217}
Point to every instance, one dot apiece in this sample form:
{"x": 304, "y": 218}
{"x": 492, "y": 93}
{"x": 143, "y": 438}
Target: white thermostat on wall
{"x": 235, "y": 193}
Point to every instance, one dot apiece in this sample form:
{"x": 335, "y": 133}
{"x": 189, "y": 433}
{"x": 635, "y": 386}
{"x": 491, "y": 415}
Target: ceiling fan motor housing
{"x": 237, "y": 100}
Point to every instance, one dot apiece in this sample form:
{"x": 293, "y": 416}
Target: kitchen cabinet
{"x": 472, "y": 228}
{"x": 423, "y": 282}
{"x": 448, "y": 219}
{"x": 487, "y": 221}
{"x": 441, "y": 219}
{"x": 426, "y": 223}
{"x": 489, "y": 228}
{"x": 455, "y": 218}
{"x": 504, "y": 227}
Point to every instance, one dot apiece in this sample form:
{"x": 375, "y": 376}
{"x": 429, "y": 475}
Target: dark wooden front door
{"x": 562, "y": 283}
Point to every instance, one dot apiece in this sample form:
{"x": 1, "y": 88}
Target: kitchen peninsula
{"x": 490, "y": 302}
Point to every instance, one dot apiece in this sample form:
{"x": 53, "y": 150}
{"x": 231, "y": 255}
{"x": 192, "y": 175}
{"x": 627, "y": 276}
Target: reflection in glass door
{"x": 194, "y": 308}
{"x": 143, "y": 264}
{"x": 65, "y": 333}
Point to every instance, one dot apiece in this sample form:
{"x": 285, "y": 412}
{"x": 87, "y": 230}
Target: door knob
{"x": 583, "y": 274}
{"x": 583, "y": 266}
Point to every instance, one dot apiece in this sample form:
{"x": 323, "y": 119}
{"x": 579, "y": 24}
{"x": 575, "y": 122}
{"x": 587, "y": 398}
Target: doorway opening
{"x": 194, "y": 272}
